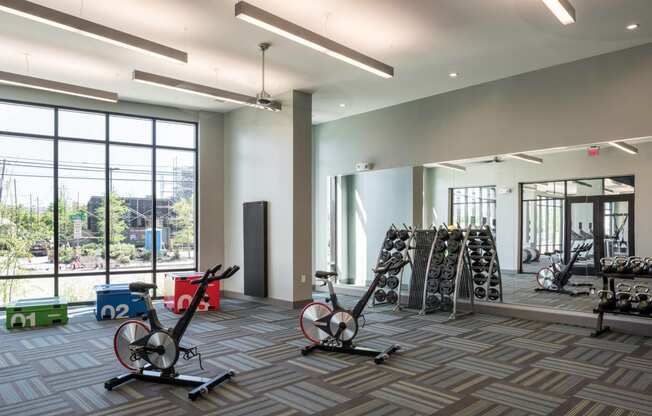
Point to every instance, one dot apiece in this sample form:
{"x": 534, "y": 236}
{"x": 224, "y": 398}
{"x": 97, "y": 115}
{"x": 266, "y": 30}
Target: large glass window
{"x": 543, "y": 209}
{"x": 175, "y": 208}
{"x": 474, "y": 206}
{"x": 77, "y": 192}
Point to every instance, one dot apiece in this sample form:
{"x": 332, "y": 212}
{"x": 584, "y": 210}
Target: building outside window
{"x": 473, "y": 206}
{"x": 59, "y": 232}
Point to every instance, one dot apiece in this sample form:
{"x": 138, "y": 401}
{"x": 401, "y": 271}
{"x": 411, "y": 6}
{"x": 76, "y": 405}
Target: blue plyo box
{"x": 115, "y": 301}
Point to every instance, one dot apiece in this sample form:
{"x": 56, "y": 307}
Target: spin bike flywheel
{"x": 168, "y": 354}
{"x": 546, "y": 278}
{"x": 345, "y": 320}
{"x": 309, "y": 314}
{"x": 127, "y": 333}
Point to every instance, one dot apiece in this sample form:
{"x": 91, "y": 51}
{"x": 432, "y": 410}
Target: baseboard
{"x": 298, "y": 304}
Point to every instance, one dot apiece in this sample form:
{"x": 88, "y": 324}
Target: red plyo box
{"x": 178, "y": 292}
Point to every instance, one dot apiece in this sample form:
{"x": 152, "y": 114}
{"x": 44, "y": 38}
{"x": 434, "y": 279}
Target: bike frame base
{"x": 200, "y": 384}
{"x": 379, "y": 356}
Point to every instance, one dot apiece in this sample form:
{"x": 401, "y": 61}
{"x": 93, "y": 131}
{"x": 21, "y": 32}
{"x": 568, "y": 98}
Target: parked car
{"x": 39, "y": 249}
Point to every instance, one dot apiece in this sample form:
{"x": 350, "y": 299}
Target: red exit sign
{"x": 594, "y": 151}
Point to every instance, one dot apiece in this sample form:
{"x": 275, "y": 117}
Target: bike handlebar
{"x": 209, "y": 275}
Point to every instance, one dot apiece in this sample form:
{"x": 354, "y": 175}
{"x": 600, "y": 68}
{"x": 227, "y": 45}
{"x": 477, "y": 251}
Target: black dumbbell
{"x": 380, "y": 296}
{"x": 388, "y": 244}
{"x": 479, "y": 279}
{"x": 404, "y": 235}
{"x": 493, "y": 294}
{"x": 392, "y": 297}
{"x": 480, "y": 292}
{"x": 391, "y": 234}
{"x": 392, "y": 282}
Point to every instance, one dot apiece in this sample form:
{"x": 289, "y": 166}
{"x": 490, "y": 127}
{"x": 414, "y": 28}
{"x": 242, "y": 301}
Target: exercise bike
{"x": 334, "y": 330}
{"x": 556, "y": 277}
{"x": 150, "y": 353}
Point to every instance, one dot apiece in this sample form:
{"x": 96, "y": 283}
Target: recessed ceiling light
{"x": 342, "y": 105}
{"x": 93, "y": 30}
{"x": 453, "y": 74}
{"x": 275, "y": 24}
{"x": 562, "y": 9}
{"x": 633, "y": 26}
{"x": 54, "y": 86}
{"x": 446, "y": 165}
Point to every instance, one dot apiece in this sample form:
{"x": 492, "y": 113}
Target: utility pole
{"x": 2, "y": 177}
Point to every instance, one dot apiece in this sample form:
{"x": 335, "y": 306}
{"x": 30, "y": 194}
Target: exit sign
{"x": 594, "y": 151}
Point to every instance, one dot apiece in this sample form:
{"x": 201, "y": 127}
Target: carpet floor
{"x": 476, "y": 365}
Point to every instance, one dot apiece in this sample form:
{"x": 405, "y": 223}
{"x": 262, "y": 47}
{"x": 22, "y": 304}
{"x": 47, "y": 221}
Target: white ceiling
{"x": 424, "y": 40}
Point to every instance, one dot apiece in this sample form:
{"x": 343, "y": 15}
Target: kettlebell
{"x": 635, "y": 265}
{"x": 624, "y": 297}
{"x": 620, "y": 264}
{"x": 643, "y": 299}
{"x": 607, "y": 299}
{"x": 607, "y": 264}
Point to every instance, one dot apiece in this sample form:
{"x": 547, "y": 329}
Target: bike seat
{"x": 324, "y": 275}
{"x": 141, "y": 287}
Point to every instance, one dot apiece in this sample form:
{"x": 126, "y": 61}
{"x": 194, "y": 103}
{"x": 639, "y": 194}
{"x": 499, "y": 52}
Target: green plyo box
{"x": 29, "y": 313}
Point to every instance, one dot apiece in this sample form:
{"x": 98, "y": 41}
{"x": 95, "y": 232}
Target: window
{"x": 473, "y": 206}
{"x": 88, "y": 197}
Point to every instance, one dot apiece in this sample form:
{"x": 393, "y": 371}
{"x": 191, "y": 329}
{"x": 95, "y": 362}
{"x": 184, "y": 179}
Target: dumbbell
{"x": 433, "y": 301}
{"x": 380, "y": 296}
{"x": 434, "y": 272}
{"x": 477, "y": 266}
{"x": 624, "y": 297}
{"x": 443, "y": 233}
{"x": 399, "y": 245}
{"x": 404, "y": 235}
{"x": 456, "y": 235}
{"x": 453, "y": 246}
{"x": 479, "y": 279}
{"x": 385, "y": 255}
{"x": 446, "y": 303}
{"x": 438, "y": 258}
{"x": 392, "y": 282}
{"x": 392, "y": 297}
{"x": 391, "y": 234}
{"x": 382, "y": 281}
{"x": 648, "y": 264}
{"x": 643, "y": 299}
{"x": 446, "y": 286}
{"x": 494, "y": 280}
{"x": 433, "y": 285}
{"x": 397, "y": 255}
{"x": 388, "y": 244}
{"x": 475, "y": 255}
{"x": 440, "y": 246}
{"x": 480, "y": 292}
{"x": 607, "y": 299}
{"x": 493, "y": 294}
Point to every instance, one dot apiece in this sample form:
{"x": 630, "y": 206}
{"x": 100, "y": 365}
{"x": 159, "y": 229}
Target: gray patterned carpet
{"x": 478, "y": 365}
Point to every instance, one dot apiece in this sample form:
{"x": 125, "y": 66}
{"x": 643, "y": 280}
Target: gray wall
{"x": 592, "y": 100}
{"x": 375, "y": 200}
{"x": 211, "y": 130}
{"x": 565, "y": 165}
{"x": 267, "y": 158}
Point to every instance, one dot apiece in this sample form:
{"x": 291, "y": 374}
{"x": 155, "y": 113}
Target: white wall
{"x": 592, "y": 100}
{"x": 565, "y": 165}
{"x": 259, "y": 165}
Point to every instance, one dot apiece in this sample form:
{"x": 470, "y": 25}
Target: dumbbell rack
{"x": 444, "y": 280}
{"x": 421, "y": 245}
{"x": 481, "y": 240}
{"x": 609, "y": 284}
{"x": 395, "y": 298}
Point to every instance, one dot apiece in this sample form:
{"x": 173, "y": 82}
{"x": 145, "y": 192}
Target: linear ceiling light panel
{"x": 275, "y": 24}
{"x": 527, "y": 158}
{"x": 203, "y": 90}
{"x": 562, "y": 9}
{"x": 451, "y": 166}
{"x": 75, "y": 24}
{"x": 54, "y": 86}
{"x": 625, "y": 147}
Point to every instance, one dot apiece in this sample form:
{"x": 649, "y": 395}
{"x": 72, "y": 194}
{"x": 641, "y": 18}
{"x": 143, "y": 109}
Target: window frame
{"x": 452, "y": 203}
{"x": 107, "y": 143}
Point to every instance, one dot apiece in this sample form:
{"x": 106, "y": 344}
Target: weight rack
{"x": 393, "y": 295}
{"x": 487, "y": 281}
{"x": 445, "y": 276}
{"x": 609, "y": 283}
